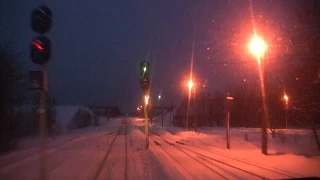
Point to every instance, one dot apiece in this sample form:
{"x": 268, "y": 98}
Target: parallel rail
{"x": 201, "y": 158}
{"x": 105, "y": 158}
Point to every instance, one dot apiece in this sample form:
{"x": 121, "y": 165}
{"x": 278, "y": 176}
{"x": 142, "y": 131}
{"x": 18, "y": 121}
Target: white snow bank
{"x": 65, "y": 115}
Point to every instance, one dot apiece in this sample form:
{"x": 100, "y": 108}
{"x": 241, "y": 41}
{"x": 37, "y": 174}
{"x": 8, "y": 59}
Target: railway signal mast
{"x": 145, "y": 86}
{"x": 40, "y": 52}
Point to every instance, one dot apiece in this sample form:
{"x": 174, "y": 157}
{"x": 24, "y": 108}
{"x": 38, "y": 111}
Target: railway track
{"x": 187, "y": 169}
{"x": 214, "y": 163}
{"x": 202, "y": 154}
{"x": 180, "y": 162}
{"x": 75, "y": 141}
{"x": 265, "y": 168}
{"x": 122, "y": 130}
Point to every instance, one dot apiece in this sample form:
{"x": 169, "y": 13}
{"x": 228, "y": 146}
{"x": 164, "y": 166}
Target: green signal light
{"x": 144, "y": 69}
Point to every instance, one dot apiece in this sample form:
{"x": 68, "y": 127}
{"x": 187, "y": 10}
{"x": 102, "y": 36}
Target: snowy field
{"x": 175, "y": 154}
{"x": 292, "y": 150}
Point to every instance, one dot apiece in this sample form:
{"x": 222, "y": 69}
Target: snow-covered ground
{"x": 175, "y": 154}
{"x": 292, "y": 150}
{"x": 65, "y": 115}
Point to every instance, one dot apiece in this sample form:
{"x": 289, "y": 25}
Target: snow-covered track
{"x": 105, "y": 158}
{"x": 156, "y": 141}
{"x": 192, "y": 173}
{"x": 271, "y": 170}
{"x": 202, "y": 153}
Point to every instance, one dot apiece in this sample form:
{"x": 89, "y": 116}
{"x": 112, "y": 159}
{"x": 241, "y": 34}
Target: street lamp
{"x": 258, "y": 47}
{"x": 190, "y": 85}
{"x": 159, "y": 98}
{"x": 286, "y": 98}
{"x": 146, "y": 100}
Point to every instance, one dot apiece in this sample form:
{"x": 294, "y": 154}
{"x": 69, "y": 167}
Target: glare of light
{"x": 38, "y": 45}
{"x": 144, "y": 69}
{"x": 146, "y": 99}
{"x": 257, "y": 46}
{"x": 190, "y": 84}
{"x": 138, "y": 109}
{"x": 286, "y": 98}
{"x": 159, "y": 96}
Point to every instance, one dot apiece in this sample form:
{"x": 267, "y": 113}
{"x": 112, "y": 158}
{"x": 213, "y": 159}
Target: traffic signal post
{"x": 145, "y": 86}
{"x": 40, "y": 52}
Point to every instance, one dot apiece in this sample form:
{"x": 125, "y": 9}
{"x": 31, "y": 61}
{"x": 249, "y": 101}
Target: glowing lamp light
{"x": 190, "y": 84}
{"x": 146, "y": 99}
{"x": 257, "y": 46}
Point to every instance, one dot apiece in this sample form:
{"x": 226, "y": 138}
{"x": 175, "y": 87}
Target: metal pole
{"x": 228, "y": 129}
{"x": 162, "y": 117}
{"x": 264, "y": 143}
{"x": 188, "y": 110}
{"x": 264, "y": 135}
{"x": 246, "y": 104}
{"x": 42, "y": 125}
{"x": 146, "y": 127}
{"x": 195, "y": 115}
{"x": 286, "y": 116}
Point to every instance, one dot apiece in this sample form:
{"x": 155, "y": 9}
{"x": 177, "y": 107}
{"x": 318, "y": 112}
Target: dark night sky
{"x": 98, "y": 45}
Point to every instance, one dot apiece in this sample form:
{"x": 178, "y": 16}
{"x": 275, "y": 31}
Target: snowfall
{"x": 116, "y": 150}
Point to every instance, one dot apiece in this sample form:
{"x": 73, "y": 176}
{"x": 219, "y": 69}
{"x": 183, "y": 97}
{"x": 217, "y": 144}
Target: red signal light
{"x": 40, "y": 50}
{"x": 38, "y": 45}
